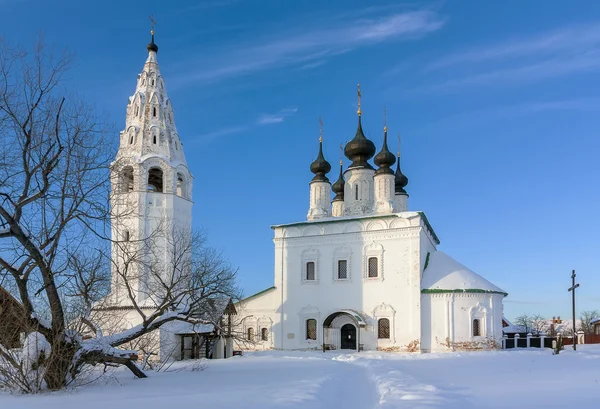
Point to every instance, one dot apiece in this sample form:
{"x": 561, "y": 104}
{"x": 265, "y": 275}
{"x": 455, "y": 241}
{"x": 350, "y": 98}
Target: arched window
{"x": 180, "y": 185}
{"x": 137, "y": 110}
{"x": 126, "y": 235}
{"x": 155, "y": 180}
{"x": 250, "y": 334}
{"x": 476, "y": 328}
{"x": 264, "y": 334}
{"x": 311, "y": 329}
{"x": 154, "y": 139}
{"x": 127, "y": 179}
{"x": 154, "y": 112}
{"x": 143, "y": 81}
{"x": 310, "y": 271}
{"x": 372, "y": 267}
{"x": 383, "y": 328}
{"x": 152, "y": 81}
{"x": 131, "y": 139}
{"x": 356, "y": 192}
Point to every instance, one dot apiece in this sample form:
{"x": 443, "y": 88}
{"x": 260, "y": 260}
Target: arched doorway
{"x": 341, "y": 330}
{"x": 348, "y": 336}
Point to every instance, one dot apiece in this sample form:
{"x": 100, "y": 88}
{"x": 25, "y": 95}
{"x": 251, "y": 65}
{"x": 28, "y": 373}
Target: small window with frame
{"x": 310, "y": 271}
{"x": 342, "y": 269}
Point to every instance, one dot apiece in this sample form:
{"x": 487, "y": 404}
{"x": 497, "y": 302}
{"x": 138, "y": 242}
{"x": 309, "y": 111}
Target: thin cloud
{"x": 262, "y": 120}
{"x": 567, "y": 51}
{"x": 566, "y": 40}
{"x": 485, "y": 116}
{"x": 316, "y": 43}
{"x": 267, "y": 119}
{"x": 528, "y": 73}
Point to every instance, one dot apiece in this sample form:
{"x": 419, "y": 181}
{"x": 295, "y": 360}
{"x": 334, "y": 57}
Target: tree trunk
{"x": 58, "y": 364}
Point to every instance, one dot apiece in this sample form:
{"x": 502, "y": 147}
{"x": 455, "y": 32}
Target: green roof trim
{"x": 257, "y": 294}
{"x": 335, "y": 220}
{"x": 431, "y": 231}
{"x": 474, "y": 290}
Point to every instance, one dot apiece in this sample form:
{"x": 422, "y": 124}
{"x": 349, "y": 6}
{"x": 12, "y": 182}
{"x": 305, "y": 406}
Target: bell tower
{"x": 151, "y": 199}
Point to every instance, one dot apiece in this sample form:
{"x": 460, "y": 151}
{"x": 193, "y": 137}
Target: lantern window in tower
{"x": 155, "y": 180}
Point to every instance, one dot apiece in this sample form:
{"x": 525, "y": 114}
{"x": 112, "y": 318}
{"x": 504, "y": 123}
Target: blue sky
{"x": 498, "y": 105}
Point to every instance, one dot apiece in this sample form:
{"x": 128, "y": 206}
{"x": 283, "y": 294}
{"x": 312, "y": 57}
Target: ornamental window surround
{"x": 477, "y": 319}
{"x": 250, "y": 334}
{"x": 342, "y": 265}
{"x": 309, "y": 268}
{"x": 264, "y": 334}
{"x": 373, "y": 262}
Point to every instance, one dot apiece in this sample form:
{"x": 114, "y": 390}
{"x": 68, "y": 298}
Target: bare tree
{"x": 54, "y": 257}
{"x": 539, "y": 324}
{"x": 586, "y": 319}
{"x": 524, "y": 321}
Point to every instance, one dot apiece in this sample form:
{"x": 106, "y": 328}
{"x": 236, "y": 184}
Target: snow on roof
{"x": 595, "y": 320}
{"x": 444, "y": 274}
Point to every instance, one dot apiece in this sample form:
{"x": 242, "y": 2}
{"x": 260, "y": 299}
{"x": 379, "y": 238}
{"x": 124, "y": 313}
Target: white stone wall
{"x": 320, "y": 196}
{"x": 384, "y": 193}
{"x": 359, "y": 192}
{"x": 448, "y": 321}
{"x": 394, "y": 294}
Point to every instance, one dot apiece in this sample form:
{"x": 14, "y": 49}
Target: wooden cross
{"x": 572, "y": 289}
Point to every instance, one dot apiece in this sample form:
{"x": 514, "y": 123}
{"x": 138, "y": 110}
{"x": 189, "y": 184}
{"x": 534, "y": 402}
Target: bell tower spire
{"x": 151, "y": 183}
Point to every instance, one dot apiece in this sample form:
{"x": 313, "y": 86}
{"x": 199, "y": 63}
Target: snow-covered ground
{"x": 504, "y": 379}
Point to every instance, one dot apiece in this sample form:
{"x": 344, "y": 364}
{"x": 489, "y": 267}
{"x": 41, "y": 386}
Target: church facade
{"x": 363, "y": 271}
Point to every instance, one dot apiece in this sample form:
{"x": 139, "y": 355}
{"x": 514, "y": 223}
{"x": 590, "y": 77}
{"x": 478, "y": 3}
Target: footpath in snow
{"x": 273, "y": 379}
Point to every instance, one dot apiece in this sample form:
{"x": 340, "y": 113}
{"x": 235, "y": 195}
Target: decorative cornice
{"x": 461, "y": 291}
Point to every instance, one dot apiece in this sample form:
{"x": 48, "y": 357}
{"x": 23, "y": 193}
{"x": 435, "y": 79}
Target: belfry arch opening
{"x": 155, "y": 180}
{"x": 180, "y": 185}
{"x": 126, "y": 179}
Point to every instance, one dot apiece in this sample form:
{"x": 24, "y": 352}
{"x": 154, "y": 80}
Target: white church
{"x": 361, "y": 273}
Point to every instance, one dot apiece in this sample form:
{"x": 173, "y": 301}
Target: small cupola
{"x": 384, "y": 159}
{"x": 360, "y": 149}
{"x": 401, "y": 179}
{"x": 320, "y": 167}
{"x": 338, "y": 186}
{"x": 152, "y": 46}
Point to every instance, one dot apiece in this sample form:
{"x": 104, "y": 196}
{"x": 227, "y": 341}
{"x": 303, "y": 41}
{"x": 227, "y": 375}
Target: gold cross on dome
{"x": 359, "y": 112}
{"x": 320, "y": 129}
{"x": 153, "y": 23}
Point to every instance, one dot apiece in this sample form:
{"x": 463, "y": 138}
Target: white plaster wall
{"x": 447, "y": 321}
{"x": 384, "y": 193}
{"x": 258, "y": 312}
{"x": 395, "y": 294}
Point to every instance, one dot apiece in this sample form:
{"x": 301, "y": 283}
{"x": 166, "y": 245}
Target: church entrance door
{"x": 348, "y": 337}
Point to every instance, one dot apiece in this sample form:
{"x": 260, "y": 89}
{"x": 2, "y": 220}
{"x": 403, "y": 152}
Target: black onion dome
{"x": 151, "y": 46}
{"x": 401, "y": 180}
{"x": 320, "y": 167}
{"x": 385, "y": 159}
{"x": 338, "y": 186}
{"x": 359, "y": 150}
